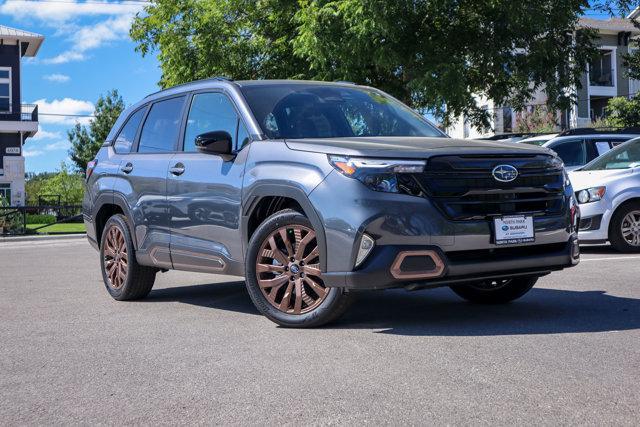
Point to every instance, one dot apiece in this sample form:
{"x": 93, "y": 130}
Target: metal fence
{"x": 42, "y": 219}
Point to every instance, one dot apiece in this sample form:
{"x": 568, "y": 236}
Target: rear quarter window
{"x": 125, "y": 139}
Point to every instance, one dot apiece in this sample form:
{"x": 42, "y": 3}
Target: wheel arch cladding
{"x": 264, "y": 200}
{"x": 105, "y": 207}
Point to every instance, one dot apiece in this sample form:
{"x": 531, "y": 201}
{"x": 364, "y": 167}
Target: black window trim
{"x": 226, "y": 94}
{"x": 149, "y": 105}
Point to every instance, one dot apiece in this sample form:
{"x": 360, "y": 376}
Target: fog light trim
{"x": 364, "y": 249}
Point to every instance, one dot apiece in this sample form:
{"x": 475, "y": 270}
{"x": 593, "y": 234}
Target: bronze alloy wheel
{"x": 288, "y": 270}
{"x": 115, "y": 258}
{"x": 631, "y": 228}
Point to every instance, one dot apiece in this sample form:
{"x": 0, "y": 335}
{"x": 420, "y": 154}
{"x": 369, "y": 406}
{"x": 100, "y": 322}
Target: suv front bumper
{"x": 400, "y": 223}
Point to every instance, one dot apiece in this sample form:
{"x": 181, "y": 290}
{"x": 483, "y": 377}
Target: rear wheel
{"x": 624, "y": 231}
{"x": 498, "y": 291}
{"x": 123, "y": 277}
{"x": 284, "y": 278}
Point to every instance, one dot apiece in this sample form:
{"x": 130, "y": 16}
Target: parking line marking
{"x": 610, "y": 258}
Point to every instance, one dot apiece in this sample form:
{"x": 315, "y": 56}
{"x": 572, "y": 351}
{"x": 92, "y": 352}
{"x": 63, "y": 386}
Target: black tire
{"x": 329, "y": 309}
{"x": 495, "y": 291}
{"x": 616, "y": 236}
{"x": 138, "y": 279}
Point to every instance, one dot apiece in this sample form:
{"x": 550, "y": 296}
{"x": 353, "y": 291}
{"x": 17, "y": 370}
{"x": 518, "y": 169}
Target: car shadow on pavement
{"x": 542, "y": 311}
{"x": 439, "y": 312}
{"x": 599, "y": 249}
{"x": 230, "y": 296}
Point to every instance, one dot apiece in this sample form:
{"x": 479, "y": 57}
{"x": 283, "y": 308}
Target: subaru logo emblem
{"x": 295, "y": 269}
{"x": 505, "y": 173}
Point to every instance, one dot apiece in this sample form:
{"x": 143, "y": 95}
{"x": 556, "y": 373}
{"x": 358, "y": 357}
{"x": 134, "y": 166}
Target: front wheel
{"x": 283, "y": 273}
{"x": 498, "y": 291}
{"x": 624, "y": 231}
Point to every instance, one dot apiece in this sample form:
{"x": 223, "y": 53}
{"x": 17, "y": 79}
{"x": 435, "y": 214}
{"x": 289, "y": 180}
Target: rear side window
{"x": 127, "y": 135}
{"x": 571, "y": 152}
{"x": 209, "y": 112}
{"x": 160, "y": 130}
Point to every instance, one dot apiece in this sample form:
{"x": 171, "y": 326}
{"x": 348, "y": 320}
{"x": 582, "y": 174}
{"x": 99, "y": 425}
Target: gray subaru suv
{"x": 314, "y": 190}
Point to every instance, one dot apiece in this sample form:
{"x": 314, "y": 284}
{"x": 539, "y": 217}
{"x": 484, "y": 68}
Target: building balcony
{"x": 19, "y": 118}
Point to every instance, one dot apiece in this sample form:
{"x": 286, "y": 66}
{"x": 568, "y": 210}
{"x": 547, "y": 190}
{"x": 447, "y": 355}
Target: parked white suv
{"x": 608, "y": 191}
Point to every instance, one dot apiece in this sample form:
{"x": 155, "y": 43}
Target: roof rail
{"x": 593, "y": 131}
{"x": 215, "y": 79}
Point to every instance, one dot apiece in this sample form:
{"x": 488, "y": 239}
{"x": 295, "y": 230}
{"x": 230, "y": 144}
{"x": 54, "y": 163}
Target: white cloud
{"x": 44, "y": 134}
{"x": 54, "y": 12}
{"x": 65, "y": 57}
{"x": 85, "y": 39}
{"x": 113, "y": 23}
{"x": 57, "y": 78}
{"x": 32, "y": 153}
{"x": 58, "y": 145}
{"x": 54, "y": 111}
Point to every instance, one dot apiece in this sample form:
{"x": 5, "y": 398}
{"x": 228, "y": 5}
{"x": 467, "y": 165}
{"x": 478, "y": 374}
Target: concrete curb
{"x": 8, "y": 239}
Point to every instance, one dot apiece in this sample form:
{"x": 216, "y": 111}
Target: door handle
{"x": 127, "y": 168}
{"x": 177, "y": 169}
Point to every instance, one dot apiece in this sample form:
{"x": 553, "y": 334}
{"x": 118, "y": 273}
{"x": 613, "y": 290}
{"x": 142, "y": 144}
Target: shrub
{"x": 40, "y": 219}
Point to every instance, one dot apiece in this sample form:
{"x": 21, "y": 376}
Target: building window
{"x": 5, "y": 193}
{"x": 507, "y": 120}
{"x": 602, "y": 69}
{"x": 5, "y": 90}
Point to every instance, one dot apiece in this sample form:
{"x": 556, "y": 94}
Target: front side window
{"x": 572, "y": 152}
{"x": 209, "y": 112}
{"x": 5, "y": 90}
{"x": 160, "y": 130}
{"x": 622, "y": 157}
{"x": 125, "y": 138}
{"x": 296, "y": 110}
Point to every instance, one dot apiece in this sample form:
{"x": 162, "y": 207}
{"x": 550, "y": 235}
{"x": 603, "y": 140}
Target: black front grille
{"x": 463, "y": 187}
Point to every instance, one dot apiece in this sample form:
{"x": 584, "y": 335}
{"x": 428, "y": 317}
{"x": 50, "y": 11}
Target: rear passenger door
{"x": 143, "y": 180}
{"x": 204, "y": 190}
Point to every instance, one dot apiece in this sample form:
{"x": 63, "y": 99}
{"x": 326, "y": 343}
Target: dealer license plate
{"x": 511, "y": 230}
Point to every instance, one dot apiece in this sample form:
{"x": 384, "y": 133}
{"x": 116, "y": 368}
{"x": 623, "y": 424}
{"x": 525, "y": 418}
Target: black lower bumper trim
{"x": 375, "y": 273}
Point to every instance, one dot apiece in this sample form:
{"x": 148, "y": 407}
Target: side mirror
{"x": 216, "y": 142}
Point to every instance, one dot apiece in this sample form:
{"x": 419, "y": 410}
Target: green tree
{"x": 33, "y": 186}
{"x": 623, "y": 112}
{"x": 69, "y": 185}
{"x": 86, "y": 141}
{"x": 434, "y": 55}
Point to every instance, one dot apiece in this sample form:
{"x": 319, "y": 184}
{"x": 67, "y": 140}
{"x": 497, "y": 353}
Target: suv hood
{"x": 409, "y": 147}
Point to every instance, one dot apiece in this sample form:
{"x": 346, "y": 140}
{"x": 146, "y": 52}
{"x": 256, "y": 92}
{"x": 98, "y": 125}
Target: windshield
{"x": 297, "y": 110}
{"x": 624, "y": 156}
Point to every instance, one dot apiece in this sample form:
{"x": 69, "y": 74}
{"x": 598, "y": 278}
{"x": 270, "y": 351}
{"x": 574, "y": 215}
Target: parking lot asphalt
{"x": 196, "y": 351}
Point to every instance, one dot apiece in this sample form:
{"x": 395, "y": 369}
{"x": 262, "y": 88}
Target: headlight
{"x": 590, "y": 194}
{"x": 377, "y": 174}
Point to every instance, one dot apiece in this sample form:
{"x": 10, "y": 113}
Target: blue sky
{"x": 86, "y": 52}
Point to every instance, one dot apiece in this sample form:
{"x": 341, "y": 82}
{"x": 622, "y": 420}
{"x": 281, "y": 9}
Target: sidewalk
{"x": 40, "y": 238}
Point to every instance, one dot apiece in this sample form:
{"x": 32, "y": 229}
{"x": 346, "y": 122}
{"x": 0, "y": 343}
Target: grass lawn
{"x": 59, "y": 228}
